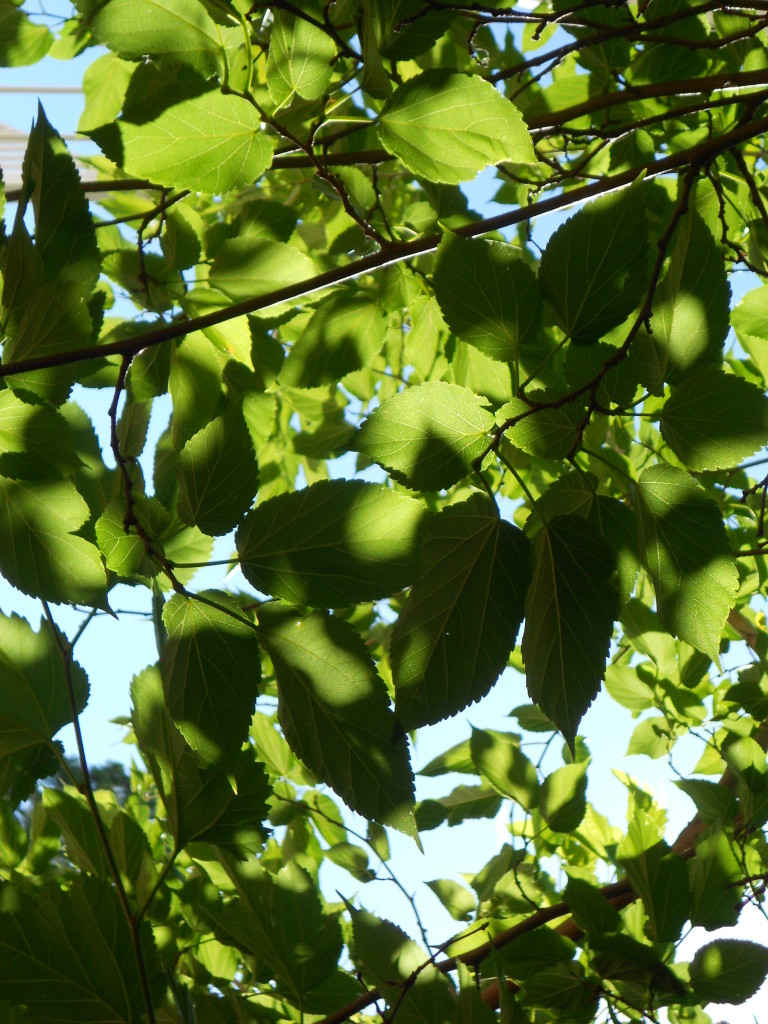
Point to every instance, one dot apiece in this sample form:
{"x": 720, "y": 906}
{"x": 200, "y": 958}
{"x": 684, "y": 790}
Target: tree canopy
{"x": 439, "y": 438}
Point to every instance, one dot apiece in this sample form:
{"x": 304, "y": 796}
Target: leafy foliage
{"x": 428, "y": 430}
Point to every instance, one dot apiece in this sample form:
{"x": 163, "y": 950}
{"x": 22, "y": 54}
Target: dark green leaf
{"x": 570, "y": 610}
{"x": 658, "y": 876}
{"x": 217, "y": 474}
{"x": 728, "y": 970}
{"x": 34, "y": 698}
{"x": 332, "y": 544}
{"x": 690, "y": 309}
{"x": 487, "y": 295}
{"x": 70, "y": 958}
{"x": 334, "y": 710}
{"x": 685, "y": 550}
{"x": 594, "y": 270}
{"x": 499, "y": 759}
{"x": 211, "y": 673}
{"x": 714, "y": 420}
{"x": 427, "y": 436}
{"x": 563, "y": 797}
{"x": 344, "y": 334}
{"x": 456, "y": 631}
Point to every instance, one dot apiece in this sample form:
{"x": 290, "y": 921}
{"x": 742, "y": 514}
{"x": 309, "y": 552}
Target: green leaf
{"x": 202, "y": 804}
{"x": 40, "y": 552}
{"x": 714, "y": 873}
{"x": 684, "y": 548}
{"x": 334, "y": 710}
{"x": 499, "y": 759}
{"x": 750, "y": 322}
{"x": 457, "y": 900}
{"x": 21, "y": 40}
{"x": 179, "y": 30}
{"x": 590, "y": 909}
{"x": 305, "y": 948}
{"x": 332, "y": 544}
{"x": 563, "y": 797}
{"x": 70, "y": 957}
{"x": 125, "y": 553}
{"x": 388, "y": 958}
{"x": 658, "y": 876}
{"x": 595, "y": 267}
{"x": 487, "y": 295}
{"x": 210, "y": 143}
{"x": 427, "y": 436}
{"x": 35, "y": 441}
{"x": 344, "y": 335}
{"x": 245, "y": 268}
{"x": 459, "y": 624}
{"x": 211, "y": 673}
{"x": 217, "y": 474}
{"x": 34, "y": 697}
{"x": 690, "y": 309}
{"x": 545, "y": 433}
{"x": 447, "y": 127}
{"x": 714, "y": 420}
{"x": 300, "y": 56}
{"x": 570, "y": 610}
{"x": 728, "y": 971}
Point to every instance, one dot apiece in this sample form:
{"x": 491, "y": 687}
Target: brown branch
{"x": 395, "y": 253}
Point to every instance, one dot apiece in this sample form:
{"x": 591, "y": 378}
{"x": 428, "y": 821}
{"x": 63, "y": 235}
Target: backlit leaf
{"x": 211, "y": 671}
{"x": 487, "y": 295}
{"x": 454, "y": 635}
{"x": 714, "y": 420}
{"x": 428, "y": 435}
{"x": 595, "y": 267}
{"x": 210, "y": 143}
{"x": 332, "y": 544}
{"x": 334, "y": 710}
{"x": 300, "y": 56}
{"x": 569, "y": 613}
{"x": 685, "y": 550}
{"x": 217, "y": 474}
{"x": 447, "y": 127}
{"x": 728, "y": 970}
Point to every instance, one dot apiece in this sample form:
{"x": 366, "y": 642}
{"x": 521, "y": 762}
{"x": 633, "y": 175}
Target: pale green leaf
{"x": 332, "y": 544}
{"x": 40, "y": 551}
{"x": 728, "y": 970}
{"x": 457, "y": 900}
{"x": 428, "y": 435}
{"x": 447, "y": 127}
{"x": 714, "y": 420}
{"x": 685, "y": 550}
{"x": 300, "y": 56}
{"x": 180, "y": 30}
{"x": 569, "y": 612}
{"x": 487, "y": 295}
{"x": 34, "y": 700}
{"x": 335, "y": 713}
{"x": 595, "y": 267}
{"x": 211, "y": 672}
{"x": 217, "y": 475}
{"x": 455, "y": 633}
{"x": 21, "y": 40}
{"x": 658, "y": 876}
{"x": 210, "y": 143}
{"x": 750, "y": 322}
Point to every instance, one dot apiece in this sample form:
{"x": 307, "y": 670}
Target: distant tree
{"x": 562, "y": 440}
